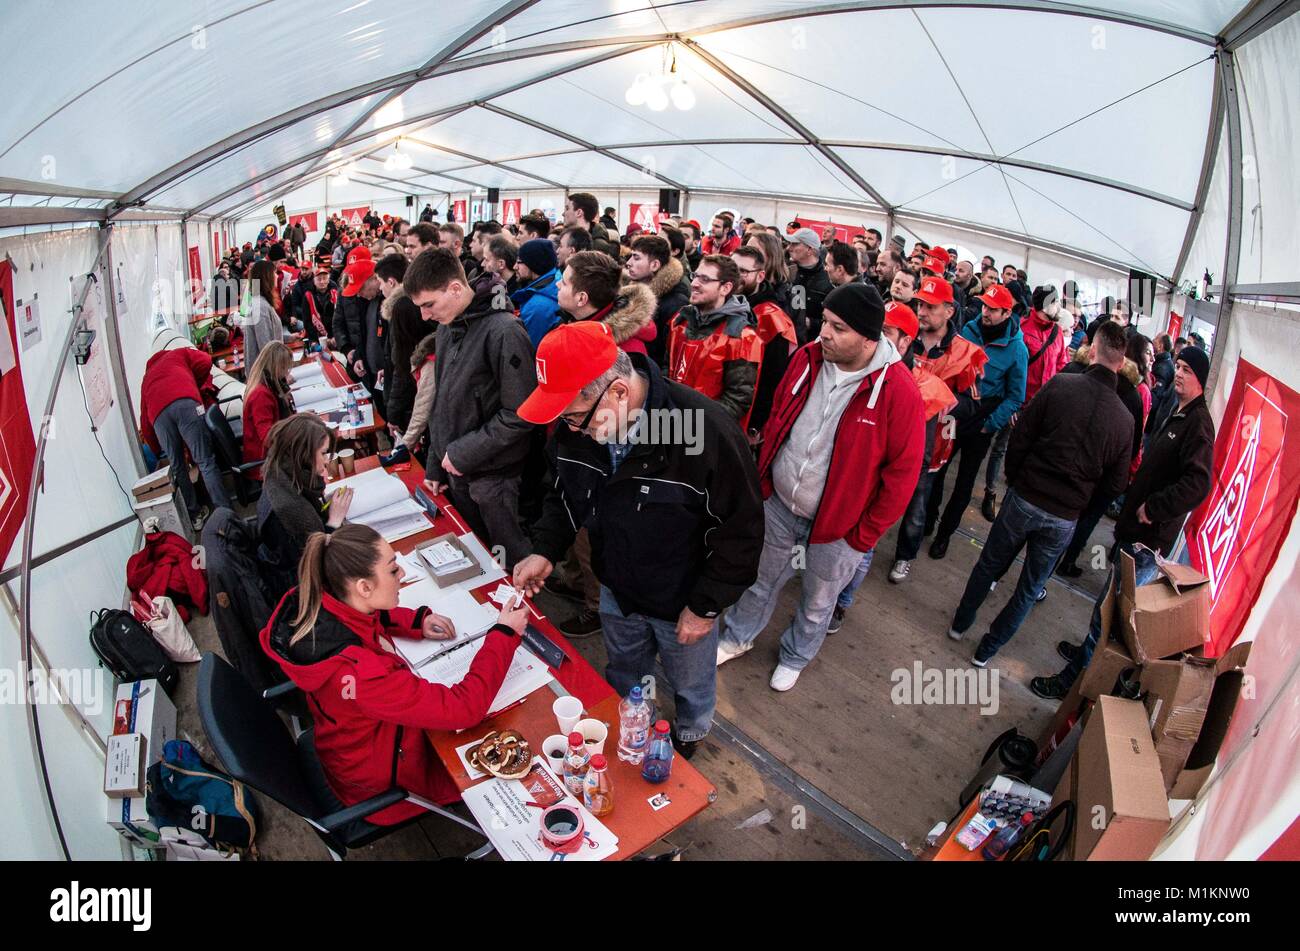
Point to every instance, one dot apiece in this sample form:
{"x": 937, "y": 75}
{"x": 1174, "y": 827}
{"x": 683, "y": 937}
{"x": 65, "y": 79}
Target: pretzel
{"x": 505, "y": 755}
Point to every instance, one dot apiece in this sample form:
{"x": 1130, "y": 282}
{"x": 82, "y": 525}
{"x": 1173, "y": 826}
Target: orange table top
{"x": 633, "y": 820}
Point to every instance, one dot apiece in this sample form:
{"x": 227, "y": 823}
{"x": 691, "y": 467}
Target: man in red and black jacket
{"x": 171, "y": 421}
{"x": 841, "y": 454}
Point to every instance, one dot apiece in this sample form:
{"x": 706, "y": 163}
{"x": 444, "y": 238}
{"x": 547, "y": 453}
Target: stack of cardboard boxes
{"x": 1136, "y": 755}
{"x": 154, "y": 496}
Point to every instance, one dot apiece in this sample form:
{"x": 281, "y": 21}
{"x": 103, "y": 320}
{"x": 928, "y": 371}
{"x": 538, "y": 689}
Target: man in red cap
{"x": 900, "y": 329}
{"x": 358, "y": 329}
{"x": 1001, "y": 394}
{"x": 839, "y": 461}
{"x": 663, "y": 480}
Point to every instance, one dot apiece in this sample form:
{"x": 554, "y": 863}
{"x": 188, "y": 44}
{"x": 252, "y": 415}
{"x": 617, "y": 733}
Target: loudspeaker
{"x": 494, "y": 195}
{"x": 670, "y": 201}
{"x": 410, "y": 201}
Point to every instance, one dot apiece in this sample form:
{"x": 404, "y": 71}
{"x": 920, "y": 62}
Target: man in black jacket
{"x": 651, "y": 263}
{"x": 810, "y": 285}
{"x": 664, "y": 483}
{"x": 477, "y": 443}
{"x": 1056, "y": 456}
{"x": 1175, "y": 477}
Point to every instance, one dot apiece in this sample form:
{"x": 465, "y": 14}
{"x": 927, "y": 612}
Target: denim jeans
{"x": 845, "y": 600}
{"x": 971, "y": 446}
{"x": 827, "y": 569}
{"x": 631, "y": 642}
{"x": 181, "y": 426}
{"x": 912, "y": 527}
{"x": 1146, "y": 570}
{"x": 997, "y": 452}
{"x": 1088, "y": 522}
{"x": 1018, "y": 524}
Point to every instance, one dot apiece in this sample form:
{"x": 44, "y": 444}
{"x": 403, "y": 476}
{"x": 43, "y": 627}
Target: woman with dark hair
{"x": 266, "y": 399}
{"x": 292, "y": 506}
{"x": 333, "y": 636}
{"x": 259, "y": 318}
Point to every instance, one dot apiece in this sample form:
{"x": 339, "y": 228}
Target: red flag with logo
{"x": 647, "y": 216}
{"x": 307, "y": 219}
{"x": 1175, "y": 328}
{"x": 511, "y": 210}
{"x": 1235, "y": 535}
{"x": 459, "y": 211}
{"x": 17, "y": 442}
{"x": 352, "y": 217}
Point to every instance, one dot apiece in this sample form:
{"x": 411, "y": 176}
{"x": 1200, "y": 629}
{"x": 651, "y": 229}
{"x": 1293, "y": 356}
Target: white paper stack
{"x": 308, "y": 374}
{"x": 470, "y": 619}
{"x": 382, "y": 501}
{"x": 318, "y": 398}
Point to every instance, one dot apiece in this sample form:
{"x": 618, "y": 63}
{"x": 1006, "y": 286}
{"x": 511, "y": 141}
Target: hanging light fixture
{"x": 399, "y": 161}
{"x": 657, "y": 92}
{"x": 635, "y": 95}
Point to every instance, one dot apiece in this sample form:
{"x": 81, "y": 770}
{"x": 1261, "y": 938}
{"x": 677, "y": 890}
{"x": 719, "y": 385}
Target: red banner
{"x": 647, "y": 216}
{"x": 216, "y": 250}
{"x": 1234, "y": 537}
{"x": 1175, "y": 328}
{"x": 196, "y": 276}
{"x": 512, "y": 211}
{"x": 307, "y": 219}
{"x": 17, "y": 442}
{"x": 352, "y": 217}
{"x": 460, "y": 211}
{"x": 842, "y": 232}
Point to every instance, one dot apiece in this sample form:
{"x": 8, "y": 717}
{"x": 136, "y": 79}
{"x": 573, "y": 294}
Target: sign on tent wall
{"x": 511, "y": 211}
{"x": 1235, "y": 535}
{"x": 17, "y": 442}
{"x": 353, "y": 217}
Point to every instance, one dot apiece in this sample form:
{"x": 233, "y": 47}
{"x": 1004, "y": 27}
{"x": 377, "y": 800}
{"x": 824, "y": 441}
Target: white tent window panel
{"x": 595, "y": 108}
{"x": 259, "y": 157}
{"x": 1268, "y": 82}
{"x": 492, "y": 135}
{"x": 267, "y": 187}
{"x": 588, "y": 168}
{"x": 168, "y": 106}
{"x": 1210, "y": 244}
{"x": 1207, "y": 16}
{"x": 789, "y": 169}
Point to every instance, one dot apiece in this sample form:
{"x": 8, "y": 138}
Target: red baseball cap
{"x": 902, "y": 317}
{"x": 360, "y": 251}
{"x": 998, "y": 296}
{"x": 934, "y": 264}
{"x": 940, "y": 253}
{"x": 568, "y": 358}
{"x": 357, "y": 273}
{"x": 935, "y": 290}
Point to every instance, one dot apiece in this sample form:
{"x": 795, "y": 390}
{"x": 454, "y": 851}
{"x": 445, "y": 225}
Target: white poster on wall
{"x": 29, "y": 321}
{"x": 95, "y": 373}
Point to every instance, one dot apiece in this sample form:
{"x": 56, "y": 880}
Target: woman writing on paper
{"x": 266, "y": 399}
{"x": 292, "y": 506}
{"x": 333, "y": 636}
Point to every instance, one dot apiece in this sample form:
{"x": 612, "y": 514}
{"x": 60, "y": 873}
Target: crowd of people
{"x": 830, "y": 387}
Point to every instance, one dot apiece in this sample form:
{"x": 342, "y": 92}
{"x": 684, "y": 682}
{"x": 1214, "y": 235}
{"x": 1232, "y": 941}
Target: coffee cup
{"x": 553, "y": 748}
{"x": 568, "y": 711}
{"x": 348, "y": 460}
{"x": 594, "y": 733}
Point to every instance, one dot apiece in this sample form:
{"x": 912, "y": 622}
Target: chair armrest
{"x": 229, "y": 399}
{"x": 279, "y": 690}
{"x": 337, "y": 820}
{"x": 248, "y": 466}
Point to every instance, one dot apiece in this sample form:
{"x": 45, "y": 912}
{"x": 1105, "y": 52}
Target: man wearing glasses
{"x": 675, "y": 523}
{"x": 477, "y": 444}
{"x": 713, "y": 346}
{"x": 775, "y": 329}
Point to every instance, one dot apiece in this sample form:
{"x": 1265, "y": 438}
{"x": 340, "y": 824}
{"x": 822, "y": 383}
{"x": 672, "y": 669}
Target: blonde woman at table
{"x": 333, "y": 636}
{"x": 292, "y": 506}
{"x": 266, "y": 399}
{"x": 259, "y": 321}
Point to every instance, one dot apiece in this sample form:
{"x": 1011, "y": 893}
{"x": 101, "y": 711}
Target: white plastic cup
{"x": 553, "y": 748}
{"x": 594, "y": 733}
{"x": 568, "y": 711}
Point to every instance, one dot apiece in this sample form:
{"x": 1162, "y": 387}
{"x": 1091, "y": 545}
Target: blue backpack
{"x": 185, "y": 791}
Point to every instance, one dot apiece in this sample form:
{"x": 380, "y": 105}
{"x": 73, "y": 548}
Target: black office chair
{"x": 230, "y": 455}
{"x": 253, "y": 746}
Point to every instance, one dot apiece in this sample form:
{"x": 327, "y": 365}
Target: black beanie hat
{"x": 858, "y": 305}
{"x": 1197, "y": 360}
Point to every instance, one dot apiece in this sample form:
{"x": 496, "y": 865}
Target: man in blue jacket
{"x": 1001, "y": 394}
{"x": 537, "y": 297}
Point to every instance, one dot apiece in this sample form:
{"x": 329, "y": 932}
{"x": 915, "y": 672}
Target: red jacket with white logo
{"x": 876, "y": 456}
{"x": 170, "y": 375}
{"x": 370, "y": 709}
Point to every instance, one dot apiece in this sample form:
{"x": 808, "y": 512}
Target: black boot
{"x": 989, "y": 508}
{"x": 939, "y": 547}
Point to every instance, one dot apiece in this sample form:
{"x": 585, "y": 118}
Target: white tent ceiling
{"x": 1082, "y": 125}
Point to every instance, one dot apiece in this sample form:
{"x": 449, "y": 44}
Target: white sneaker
{"x": 783, "y": 678}
{"x": 726, "y": 653}
{"x": 902, "y": 568}
{"x": 955, "y": 634}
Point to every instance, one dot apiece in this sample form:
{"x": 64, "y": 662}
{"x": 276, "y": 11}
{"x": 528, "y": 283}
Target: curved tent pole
{"x": 1232, "y": 250}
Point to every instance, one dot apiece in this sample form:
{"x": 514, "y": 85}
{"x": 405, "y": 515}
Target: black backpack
{"x": 127, "y": 648}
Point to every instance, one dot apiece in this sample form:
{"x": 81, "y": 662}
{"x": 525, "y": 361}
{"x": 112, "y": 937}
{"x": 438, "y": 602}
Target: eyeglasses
{"x": 586, "y": 420}
{"x": 706, "y": 280}
{"x": 751, "y": 270}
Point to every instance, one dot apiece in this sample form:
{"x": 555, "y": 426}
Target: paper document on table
{"x": 383, "y": 502}
{"x": 503, "y": 811}
{"x": 308, "y": 374}
{"x": 413, "y": 568}
{"x": 470, "y": 619}
{"x": 318, "y": 398}
{"x": 338, "y": 419}
{"x": 525, "y": 675}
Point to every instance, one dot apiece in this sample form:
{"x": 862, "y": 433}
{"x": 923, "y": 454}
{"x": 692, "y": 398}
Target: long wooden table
{"x": 635, "y": 823}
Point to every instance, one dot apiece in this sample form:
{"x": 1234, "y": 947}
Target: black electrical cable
{"x": 95, "y": 431}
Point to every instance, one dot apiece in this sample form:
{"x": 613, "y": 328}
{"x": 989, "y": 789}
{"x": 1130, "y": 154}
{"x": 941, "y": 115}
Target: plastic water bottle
{"x": 350, "y": 402}
{"x": 659, "y": 757}
{"x": 576, "y": 764}
{"x": 633, "y": 727}
{"x": 597, "y": 793}
{"x": 998, "y": 845}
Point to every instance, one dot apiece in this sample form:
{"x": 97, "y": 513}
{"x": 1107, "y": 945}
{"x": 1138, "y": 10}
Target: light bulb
{"x": 656, "y": 99}
{"x": 340, "y": 180}
{"x": 636, "y": 93}
{"x": 683, "y": 96}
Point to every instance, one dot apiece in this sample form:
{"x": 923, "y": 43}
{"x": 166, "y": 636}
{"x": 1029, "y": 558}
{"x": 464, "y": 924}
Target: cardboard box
{"x": 473, "y": 570}
{"x": 153, "y": 486}
{"x": 1071, "y": 705}
{"x": 1166, "y": 617}
{"x": 170, "y": 512}
{"x": 124, "y": 766}
{"x": 1068, "y": 788}
{"x": 130, "y": 818}
{"x": 1176, "y": 694}
{"x": 1229, "y": 672}
{"x": 1109, "y": 658}
{"x": 1123, "y": 811}
{"x": 143, "y": 707}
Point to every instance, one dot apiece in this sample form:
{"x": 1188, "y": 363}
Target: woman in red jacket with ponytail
{"x": 266, "y": 399}
{"x": 333, "y": 636}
